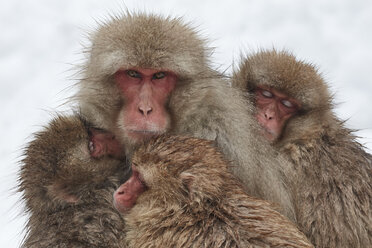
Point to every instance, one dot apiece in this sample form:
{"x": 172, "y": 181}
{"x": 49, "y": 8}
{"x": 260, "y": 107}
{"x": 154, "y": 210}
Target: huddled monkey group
{"x": 163, "y": 150}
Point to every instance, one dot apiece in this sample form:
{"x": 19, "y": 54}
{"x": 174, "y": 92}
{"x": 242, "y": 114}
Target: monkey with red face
{"x": 147, "y": 75}
{"x": 328, "y": 172}
{"x": 181, "y": 194}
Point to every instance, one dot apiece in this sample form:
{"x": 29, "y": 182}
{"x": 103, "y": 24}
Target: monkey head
{"x": 67, "y": 160}
{"x": 135, "y": 63}
{"x": 173, "y": 169}
{"x": 283, "y": 88}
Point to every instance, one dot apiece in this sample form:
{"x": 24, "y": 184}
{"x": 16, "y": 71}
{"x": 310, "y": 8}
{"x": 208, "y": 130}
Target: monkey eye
{"x": 287, "y": 103}
{"x": 158, "y": 75}
{"x": 133, "y": 73}
{"x": 266, "y": 93}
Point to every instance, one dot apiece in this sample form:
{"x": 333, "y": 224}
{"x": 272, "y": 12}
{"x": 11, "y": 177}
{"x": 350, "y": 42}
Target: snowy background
{"x": 41, "y": 40}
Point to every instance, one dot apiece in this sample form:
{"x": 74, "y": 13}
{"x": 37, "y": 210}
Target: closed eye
{"x": 266, "y": 93}
{"x": 287, "y": 103}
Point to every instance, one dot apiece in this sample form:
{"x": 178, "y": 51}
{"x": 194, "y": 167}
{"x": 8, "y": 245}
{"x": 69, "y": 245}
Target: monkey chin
{"x": 140, "y": 136}
{"x": 269, "y": 135}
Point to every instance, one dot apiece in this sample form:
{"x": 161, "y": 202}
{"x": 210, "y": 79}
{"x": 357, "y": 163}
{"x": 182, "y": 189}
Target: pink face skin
{"x": 274, "y": 108}
{"x": 103, "y": 143}
{"x": 146, "y": 92}
{"x": 126, "y": 195}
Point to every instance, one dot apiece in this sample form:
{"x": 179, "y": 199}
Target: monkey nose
{"x": 268, "y": 117}
{"x": 145, "y": 110}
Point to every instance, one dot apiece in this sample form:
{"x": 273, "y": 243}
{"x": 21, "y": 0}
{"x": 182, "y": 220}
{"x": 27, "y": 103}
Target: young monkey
{"x": 181, "y": 194}
{"x": 68, "y": 176}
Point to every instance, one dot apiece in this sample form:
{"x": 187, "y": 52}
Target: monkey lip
{"x": 145, "y": 131}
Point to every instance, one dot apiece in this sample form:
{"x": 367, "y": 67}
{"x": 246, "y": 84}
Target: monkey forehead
{"x": 148, "y": 41}
{"x": 283, "y": 72}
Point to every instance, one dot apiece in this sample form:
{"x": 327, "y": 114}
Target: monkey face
{"x": 274, "y": 109}
{"x": 145, "y": 93}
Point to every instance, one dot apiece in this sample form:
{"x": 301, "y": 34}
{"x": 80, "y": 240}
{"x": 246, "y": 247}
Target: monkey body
{"x": 192, "y": 200}
{"x": 68, "y": 193}
{"x": 334, "y": 208}
{"x": 328, "y": 173}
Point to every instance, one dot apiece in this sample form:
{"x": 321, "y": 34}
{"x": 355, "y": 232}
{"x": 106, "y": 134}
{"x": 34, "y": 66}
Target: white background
{"x": 40, "y": 42}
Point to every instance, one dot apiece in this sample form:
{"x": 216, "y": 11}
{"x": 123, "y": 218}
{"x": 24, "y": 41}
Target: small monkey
{"x": 68, "y": 176}
{"x": 328, "y": 172}
{"x": 181, "y": 194}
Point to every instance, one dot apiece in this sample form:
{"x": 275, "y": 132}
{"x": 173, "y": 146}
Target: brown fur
{"x": 201, "y": 105}
{"x": 194, "y": 201}
{"x": 329, "y": 172}
{"x": 68, "y": 194}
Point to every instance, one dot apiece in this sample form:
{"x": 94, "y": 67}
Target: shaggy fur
{"x": 193, "y": 200}
{"x": 201, "y": 105}
{"x": 329, "y": 172}
{"x": 58, "y": 169}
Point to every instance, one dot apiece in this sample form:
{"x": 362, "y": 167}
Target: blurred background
{"x": 41, "y": 42}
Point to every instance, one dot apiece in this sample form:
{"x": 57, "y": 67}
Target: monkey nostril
{"x": 268, "y": 117}
{"x": 121, "y": 192}
{"x": 145, "y": 111}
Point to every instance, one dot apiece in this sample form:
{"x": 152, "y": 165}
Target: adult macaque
{"x": 148, "y": 75}
{"x": 328, "y": 171}
{"x": 181, "y": 194}
{"x": 69, "y": 174}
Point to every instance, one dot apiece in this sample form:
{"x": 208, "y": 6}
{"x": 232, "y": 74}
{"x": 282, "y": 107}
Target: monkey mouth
{"x": 146, "y": 132}
{"x": 267, "y": 133}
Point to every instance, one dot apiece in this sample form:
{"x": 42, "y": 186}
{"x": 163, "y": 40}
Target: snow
{"x": 41, "y": 41}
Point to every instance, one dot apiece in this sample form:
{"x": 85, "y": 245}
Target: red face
{"x": 146, "y": 92}
{"x": 103, "y": 143}
{"x": 273, "y": 110}
{"x": 126, "y": 195}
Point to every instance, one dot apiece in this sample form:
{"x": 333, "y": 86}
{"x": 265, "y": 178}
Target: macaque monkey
{"x": 328, "y": 171}
{"x": 69, "y": 174}
{"x": 147, "y": 75}
{"x": 181, "y": 194}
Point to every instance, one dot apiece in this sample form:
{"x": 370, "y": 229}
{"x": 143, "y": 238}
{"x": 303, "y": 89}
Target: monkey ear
{"x": 187, "y": 179}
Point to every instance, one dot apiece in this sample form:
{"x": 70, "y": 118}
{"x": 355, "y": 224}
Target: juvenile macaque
{"x": 328, "y": 172}
{"x": 181, "y": 194}
{"x": 69, "y": 174}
